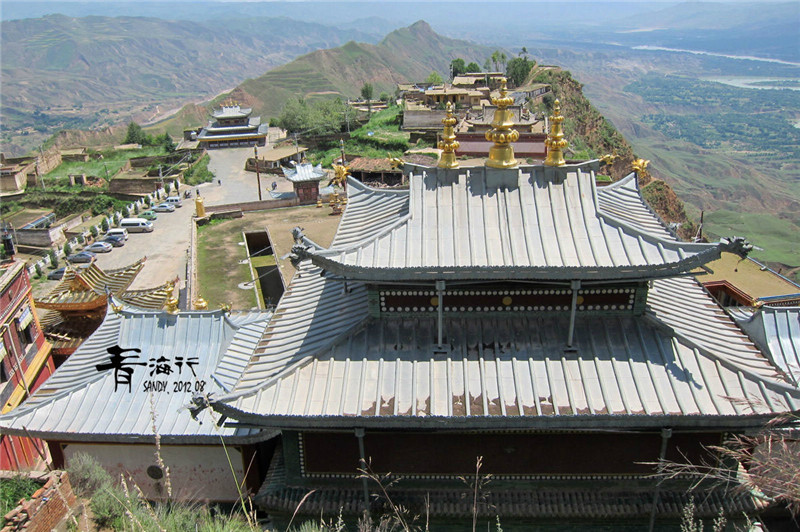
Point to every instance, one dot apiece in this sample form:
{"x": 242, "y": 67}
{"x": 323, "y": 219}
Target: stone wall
{"x": 45, "y": 509}
{"x": 253, "y": 206}
{"x": 41, "y": 238}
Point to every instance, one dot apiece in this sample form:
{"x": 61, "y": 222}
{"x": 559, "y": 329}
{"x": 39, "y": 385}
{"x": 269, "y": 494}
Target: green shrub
{"x": 53, "y": 259}
{"x": 39, "y": 271}
{"x": 104, "y": 225}
{"x": 136, "y": 208}
{"x": 199, "y": 173}
{"x": 86, "y": 475}
{"x": 148, "y": 201}
{"x": 13, "y": 489}
{"x": 81, "y": 239}
{"x": 67, "y": 249}
{"x": 94, "y": 231}
{"x": 106, "y": 505}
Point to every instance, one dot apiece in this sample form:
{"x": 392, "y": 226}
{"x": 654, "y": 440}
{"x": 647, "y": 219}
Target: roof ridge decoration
{"x": 555, "y": 141}
{"x": 501, "y": 155}
{"x": 448, "y": 144}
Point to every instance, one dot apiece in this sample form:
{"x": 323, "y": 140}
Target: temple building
{"x": 231, "y": 127}
{"x": 25, "y": 359}
{"x": 77, "y": 305}
{"x": 502, "y": 319}
{"x": 305, "y": 178}
{"x": 508, "y": 315}
{"x": 133, "y": 381}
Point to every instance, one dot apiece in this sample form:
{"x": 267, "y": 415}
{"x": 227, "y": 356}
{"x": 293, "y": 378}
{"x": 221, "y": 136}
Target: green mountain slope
{"x": 404, "y": 55}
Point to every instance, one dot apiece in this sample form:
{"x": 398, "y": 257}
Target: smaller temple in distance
{"x": 233, "y": 127}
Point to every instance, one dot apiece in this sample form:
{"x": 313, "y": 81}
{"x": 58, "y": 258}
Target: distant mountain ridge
{"x": 93, "y": 71}
{"x": 404, "y": 55}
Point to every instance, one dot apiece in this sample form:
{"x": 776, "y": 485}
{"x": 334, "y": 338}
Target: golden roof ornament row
{"x": 556, "y": 143}
{"x": 449, "y": 144}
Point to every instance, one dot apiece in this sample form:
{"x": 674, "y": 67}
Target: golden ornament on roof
{"x": 172, "y": 305}
{"x": 448, "y": 144}
{"x": 200, "y": 304}
{"x": 608, "y": 159}
{"x": 640, "y": 165}
{"x": 555, "y": 142}
{"x": 501, "y": 155}
{"x": 340, "y": 174}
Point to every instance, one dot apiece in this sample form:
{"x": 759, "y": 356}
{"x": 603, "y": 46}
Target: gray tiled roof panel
{"x": 685, "y": 356}
{"x": 304, "y": 172}
{"x": 777, "y": 331}
{"x": 515, "y": 366}
{"x": 623, "y": 201}
{"x": 80, "y": 400}
{"x": 532, "y": 217}
{"x": 312, "y": 313}
{"x": 369, "y": 212}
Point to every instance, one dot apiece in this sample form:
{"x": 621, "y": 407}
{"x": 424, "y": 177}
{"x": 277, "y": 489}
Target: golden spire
{"x": 448, "y": 144}
{"x": 501, "y": 155}
{"x": 200, "y": 304}
{"x": 555, "y": 139}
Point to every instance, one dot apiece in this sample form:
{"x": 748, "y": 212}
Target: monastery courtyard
{"x": 167, "y": 246}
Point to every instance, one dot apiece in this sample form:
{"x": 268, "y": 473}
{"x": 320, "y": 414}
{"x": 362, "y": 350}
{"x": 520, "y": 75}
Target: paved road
{"x": 167, "y": 246}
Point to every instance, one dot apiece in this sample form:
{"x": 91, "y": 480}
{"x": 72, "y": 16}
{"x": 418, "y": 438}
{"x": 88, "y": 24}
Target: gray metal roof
{"x": 260, "y": 131}
{"x": 508, "y": 371}
{"x": 79, "y": 402}
{"x": 534, "y": 222}
{"x": 777, "y": 331}
{"x": 233, "y": 111}
{"x": 623, "y": 200}
{"x": 304, "y": 172}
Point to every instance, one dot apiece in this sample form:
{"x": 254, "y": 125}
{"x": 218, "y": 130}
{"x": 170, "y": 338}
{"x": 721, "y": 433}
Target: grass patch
{"x": 14, "y": 489}
{"x": 199, "y": 173}
{"x": 112, "y": 161}
{"x": 218, "y": 270}
{"x": 266, "y": 260}
{"x": 777, "y": 237}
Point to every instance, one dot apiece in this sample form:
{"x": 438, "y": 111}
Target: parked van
{"x": 118, "y": 231}
{"x": 136, "y": 225}
{"x": 174, "y": 200}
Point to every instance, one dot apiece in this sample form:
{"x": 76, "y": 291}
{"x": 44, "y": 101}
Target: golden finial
{"x": 172, "y": 305}
{"x": 319, "y": 201}
{"x": 396, "y": 162}
{"x": 640, "y": 166}
{"x": 448, "y": 144}
{"x": 200, "y": 304}
{"x": 225, "y": 307}
{"x": 501, "y": 155}
{"x": 116, "y": 308}
{"x": 608, "y": 159}
{"x": 555, "y": 141}
{"x": 340, "y": 174}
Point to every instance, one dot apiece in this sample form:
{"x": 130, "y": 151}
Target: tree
{"x": 104, "y": 224}
{"x": 472, "y": 68}
{"x": 366, "y": 93}
{"x": 434, "y": 79}
{"x": 53, "y": 259}
{"x": 136, "y": 135}
{"x": 67, "y": 249}
{"x": 518, "y": 70}
{"x": 523, "y": 52}
{"x": 458, "y": 67}
{"x": 166, "y": 141}
{"x": 384, "y": 97}
{"x": 498, "y": 58}
{"x": 94, "y": 231}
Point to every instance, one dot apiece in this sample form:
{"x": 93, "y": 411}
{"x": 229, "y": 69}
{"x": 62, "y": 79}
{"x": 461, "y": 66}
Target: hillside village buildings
{"x": 507, "y": 314}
